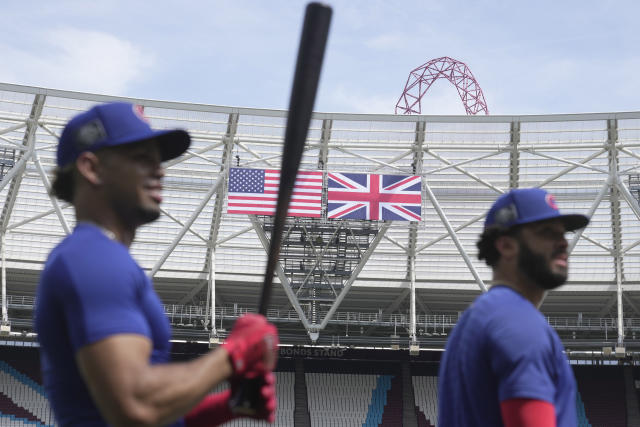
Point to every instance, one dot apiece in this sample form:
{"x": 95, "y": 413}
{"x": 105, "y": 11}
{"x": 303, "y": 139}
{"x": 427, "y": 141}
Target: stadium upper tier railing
{"x": 192, "y": 323}
{"x": 589, "y": 161}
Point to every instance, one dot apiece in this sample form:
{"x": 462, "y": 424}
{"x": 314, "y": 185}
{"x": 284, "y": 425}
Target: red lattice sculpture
{"x": 421, "y": 79}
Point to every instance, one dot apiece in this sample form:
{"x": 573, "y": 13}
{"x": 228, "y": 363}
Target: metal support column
{"x": 210, "y": 256}
{"x": 614, "y": 195}
{"x": 325, "y": 137}
{"x": 412, "y": 311}
{"x": 514, "y": 156}
{"x": 5, "y": 327}
{"x": 228, "y": 140}
{"x": 212, "y": 287}
{"x": 413, "y": 238}
{"x": 323, "y": 159}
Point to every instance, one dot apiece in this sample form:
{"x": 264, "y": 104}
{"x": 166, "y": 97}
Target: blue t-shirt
{"x": 90, "y": 289}
{"x": 502, "y": 348}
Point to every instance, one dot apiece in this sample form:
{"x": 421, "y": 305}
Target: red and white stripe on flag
{"x": 255, "y": 191}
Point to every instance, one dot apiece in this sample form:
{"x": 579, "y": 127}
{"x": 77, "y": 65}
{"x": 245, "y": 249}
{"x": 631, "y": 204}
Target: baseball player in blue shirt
{"x": 503, "y": 363}
{"x": 104, "y": 337}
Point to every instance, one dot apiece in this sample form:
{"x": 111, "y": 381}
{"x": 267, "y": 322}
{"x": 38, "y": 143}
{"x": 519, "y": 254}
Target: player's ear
{"x": 507, "y": 246}
{"x": 88, "y": 165}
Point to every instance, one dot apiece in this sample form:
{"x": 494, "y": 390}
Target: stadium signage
{"x": 311, "y": 352}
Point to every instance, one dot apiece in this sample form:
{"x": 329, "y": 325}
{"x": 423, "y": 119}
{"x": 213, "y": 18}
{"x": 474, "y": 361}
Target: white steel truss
{"x": 586, "y": 160}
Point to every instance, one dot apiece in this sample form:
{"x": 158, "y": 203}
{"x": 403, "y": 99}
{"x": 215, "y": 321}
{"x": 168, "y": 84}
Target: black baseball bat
{"x": 303, "y": 94}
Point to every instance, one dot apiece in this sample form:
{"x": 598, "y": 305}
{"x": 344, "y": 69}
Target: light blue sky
{"x": 531, "y": 57}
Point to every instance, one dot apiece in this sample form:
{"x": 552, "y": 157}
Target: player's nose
{"x": 159, "y": 171}
{"x": 562, "y": 242}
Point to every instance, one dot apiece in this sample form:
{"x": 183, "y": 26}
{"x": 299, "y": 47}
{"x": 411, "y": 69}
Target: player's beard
{"x": 135, "y": 213}
{"x": 537, "y": 269}
{"x": 146, "y": 215}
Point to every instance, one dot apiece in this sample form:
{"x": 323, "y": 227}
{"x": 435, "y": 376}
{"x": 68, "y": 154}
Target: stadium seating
{"x": 22, "y": 400}
{"x": 345, "y": 392}
{"x": 392, "y": 415}
{"x": 582, "y": 415}
{"x": 636, "y": 382}
{"x": 341, "y": 399}
{"x": 601, "y": 389}
{"x": 425, "y": 389}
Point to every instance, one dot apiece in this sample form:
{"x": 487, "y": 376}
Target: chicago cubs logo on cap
{"x": 139, "y": 112}
{"x": 551, "y": 201}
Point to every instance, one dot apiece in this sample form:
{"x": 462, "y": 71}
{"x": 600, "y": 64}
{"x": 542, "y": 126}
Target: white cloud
{"x": 566, "y": 85}
{"x": 386, "y": 41}
{"x": 343, "y": 100}
{"x": 69, "y": 58}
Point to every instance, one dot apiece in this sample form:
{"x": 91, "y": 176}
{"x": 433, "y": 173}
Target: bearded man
{"x": 503, "y": 363}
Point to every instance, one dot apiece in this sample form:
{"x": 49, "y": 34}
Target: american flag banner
{"x": 255, "y": 191}
{"x": 377, "y": 197}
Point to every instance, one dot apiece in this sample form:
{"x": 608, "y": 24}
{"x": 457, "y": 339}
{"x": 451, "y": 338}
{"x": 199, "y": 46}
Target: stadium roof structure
{"x": 410, "y": 280}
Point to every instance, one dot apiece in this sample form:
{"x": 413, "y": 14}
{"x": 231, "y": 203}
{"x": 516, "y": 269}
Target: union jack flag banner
{"x": 255, "y": 191}
{"x": 377, "y": 197}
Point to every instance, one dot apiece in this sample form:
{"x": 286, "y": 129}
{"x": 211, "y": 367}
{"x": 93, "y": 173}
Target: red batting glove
{"x": 213, "y": 410}
{"x": 252, "y": 346}
{"x": 268, "y": 403}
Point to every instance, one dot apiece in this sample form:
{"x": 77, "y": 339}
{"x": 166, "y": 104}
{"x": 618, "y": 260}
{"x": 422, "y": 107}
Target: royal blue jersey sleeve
{"x": 99, "y": 295}
{"x": 522, "y": 358}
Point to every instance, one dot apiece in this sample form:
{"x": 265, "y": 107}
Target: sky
{"x": 529, "y": 57}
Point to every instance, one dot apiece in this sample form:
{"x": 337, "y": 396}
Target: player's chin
{"x": 149, "y": 213}
{"x": 552, "y": 280}
{"x": 560, "y": 275}
{"x": 560, "y": 272}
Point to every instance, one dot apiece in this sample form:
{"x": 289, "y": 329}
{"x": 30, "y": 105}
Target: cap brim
{"x": 172, "y": 143}
{"x": 574, "y": 221}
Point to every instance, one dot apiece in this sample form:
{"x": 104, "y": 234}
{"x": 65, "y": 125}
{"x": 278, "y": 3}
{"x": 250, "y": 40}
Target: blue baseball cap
{"x": 526, "y": 205}
{"x": 116, "y": 123}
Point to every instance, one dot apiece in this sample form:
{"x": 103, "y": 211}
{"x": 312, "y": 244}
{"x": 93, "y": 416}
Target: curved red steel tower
{"x": 421, "y": 79}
